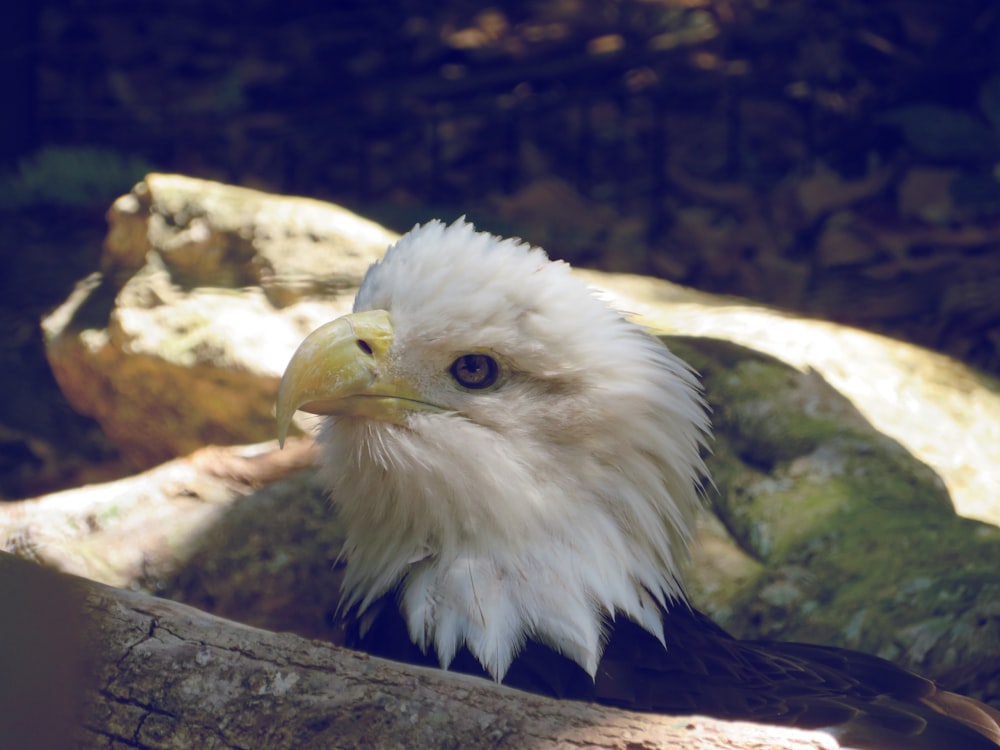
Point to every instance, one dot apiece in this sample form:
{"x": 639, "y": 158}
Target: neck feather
{"x": 489, "y": 552}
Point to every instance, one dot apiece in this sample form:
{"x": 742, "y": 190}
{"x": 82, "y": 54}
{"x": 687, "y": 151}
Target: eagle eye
{"x": 475, "y": 371}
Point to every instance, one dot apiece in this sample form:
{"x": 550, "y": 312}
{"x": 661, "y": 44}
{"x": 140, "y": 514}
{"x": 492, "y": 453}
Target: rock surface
{"x": 204, "y": 292}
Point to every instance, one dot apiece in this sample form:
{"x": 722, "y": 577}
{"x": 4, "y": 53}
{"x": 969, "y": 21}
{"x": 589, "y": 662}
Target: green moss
{"x": 858, "y": 541}
{"x": 70, "y": 176}
{"x": 768, "y": 411}
{"x": 762, "y": 407}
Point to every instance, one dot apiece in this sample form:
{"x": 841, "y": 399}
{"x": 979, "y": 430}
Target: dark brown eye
{"x": 475, "y": 371}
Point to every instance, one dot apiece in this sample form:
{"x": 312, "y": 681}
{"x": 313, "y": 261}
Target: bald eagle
{"x": 518, "y": 470}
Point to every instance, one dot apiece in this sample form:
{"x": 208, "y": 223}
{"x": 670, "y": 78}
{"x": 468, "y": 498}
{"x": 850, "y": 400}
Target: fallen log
{"x": 91, "y": 665}
{"x": 135, "y": 671}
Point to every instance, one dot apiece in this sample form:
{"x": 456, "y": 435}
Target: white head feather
{"x": 536, "y": 509}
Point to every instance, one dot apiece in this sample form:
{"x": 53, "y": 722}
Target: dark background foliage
{"x": 836, "y": 158}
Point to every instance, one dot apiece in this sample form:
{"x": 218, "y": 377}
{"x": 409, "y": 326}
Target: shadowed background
{"x": 831, "y": 158}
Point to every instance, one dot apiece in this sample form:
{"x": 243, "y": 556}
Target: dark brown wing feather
{"x": 864, "y": 701}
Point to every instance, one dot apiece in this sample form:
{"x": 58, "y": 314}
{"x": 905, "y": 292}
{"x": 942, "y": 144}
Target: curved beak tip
{"x": 329, "y": 366}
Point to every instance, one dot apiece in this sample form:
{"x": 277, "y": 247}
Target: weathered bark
{"x": 165, "y": 675}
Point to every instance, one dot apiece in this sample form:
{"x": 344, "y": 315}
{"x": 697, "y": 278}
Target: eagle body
{"x": 865, "y": 701}
{"x": 518, "y": 471}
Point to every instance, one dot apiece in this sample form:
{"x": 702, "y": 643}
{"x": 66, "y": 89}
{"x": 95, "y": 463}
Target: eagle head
{"x": 506, "y": 450}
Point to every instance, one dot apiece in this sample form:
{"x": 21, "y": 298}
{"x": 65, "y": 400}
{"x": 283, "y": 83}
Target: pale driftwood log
{"x": 161, "y": 674}
{"x": 140, "y": 531}
{"x": 165, "y": 675}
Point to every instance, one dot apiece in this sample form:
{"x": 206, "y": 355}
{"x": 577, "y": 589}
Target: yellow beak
{"x": 342, "y": 368}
